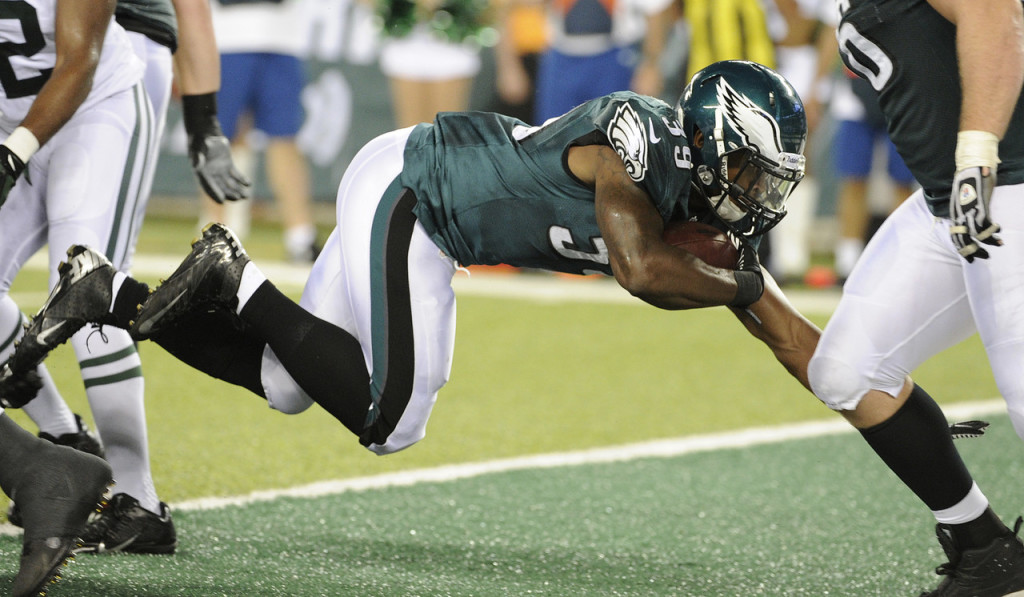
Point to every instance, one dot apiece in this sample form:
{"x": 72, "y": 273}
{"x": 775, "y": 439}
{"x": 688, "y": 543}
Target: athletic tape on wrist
{"x": 749, "y": 288}
{"x": 22, "y": 143}
{"x": 976, "y": 149}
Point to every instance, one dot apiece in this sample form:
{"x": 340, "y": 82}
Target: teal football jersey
{"x": 491, "y": 189}
{"x": 155, "y": 19}
{"x": 907, "y": 51}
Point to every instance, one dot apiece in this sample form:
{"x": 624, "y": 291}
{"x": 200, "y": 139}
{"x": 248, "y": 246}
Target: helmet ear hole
{"x": 698, "y": 138}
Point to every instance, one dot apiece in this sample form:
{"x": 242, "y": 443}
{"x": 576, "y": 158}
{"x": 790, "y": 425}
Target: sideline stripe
{"x": 754, "y": 436}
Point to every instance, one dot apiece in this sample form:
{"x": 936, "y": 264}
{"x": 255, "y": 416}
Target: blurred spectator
{"x": 430, "y": 55}
{"x": 262, "y": 48}
{"x": 727, "y": 30}
{"x": 522, "y": 39}
{"x": 805, "y": 54}
{"x": 861, "y": 130}
{"x": 595, "y": 48}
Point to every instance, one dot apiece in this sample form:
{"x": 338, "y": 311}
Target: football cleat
{"x": 18, "y": 390}
{"x": 67, "y": 487}
{"x": 82, "y": 295}
{"x": 991, "y": 571}
{"x": 208, "y": 278}
{"x": 83, "y": 440}
{"x": 124, "y": 526}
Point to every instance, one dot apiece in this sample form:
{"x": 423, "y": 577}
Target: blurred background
{"x": 375, "y": 65}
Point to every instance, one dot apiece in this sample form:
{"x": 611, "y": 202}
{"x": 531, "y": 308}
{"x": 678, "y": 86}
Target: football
{"x": 708, "y": 243}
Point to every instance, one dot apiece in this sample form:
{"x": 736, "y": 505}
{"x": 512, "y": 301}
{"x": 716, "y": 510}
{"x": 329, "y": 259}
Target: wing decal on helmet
{"x": 628, "y": 137}
{"x": 755, "y": 127}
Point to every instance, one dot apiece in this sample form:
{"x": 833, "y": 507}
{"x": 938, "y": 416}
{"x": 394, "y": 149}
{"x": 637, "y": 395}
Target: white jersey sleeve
{"x": 28, "y": 28}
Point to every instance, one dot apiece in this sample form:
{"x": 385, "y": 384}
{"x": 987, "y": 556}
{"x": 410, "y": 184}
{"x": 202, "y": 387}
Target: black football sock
{"x": 130, "y": 295}
{"x": 325, "y": 360}
{"x": 219, "y": 344}
{"x": 916, "y": 444}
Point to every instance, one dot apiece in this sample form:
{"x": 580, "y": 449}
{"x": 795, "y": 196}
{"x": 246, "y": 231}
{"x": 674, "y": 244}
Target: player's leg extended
{"x": 387, "y": 291}
{"x": 906, "y": 301}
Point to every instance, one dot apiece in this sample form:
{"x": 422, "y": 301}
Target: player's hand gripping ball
{"x": 707, "y": 243}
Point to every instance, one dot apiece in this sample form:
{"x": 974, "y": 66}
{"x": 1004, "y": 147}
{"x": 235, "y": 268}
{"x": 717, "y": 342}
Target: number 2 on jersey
{"x": 25, "y": 14}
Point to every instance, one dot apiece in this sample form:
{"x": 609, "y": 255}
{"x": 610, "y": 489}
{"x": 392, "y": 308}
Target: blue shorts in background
{"x": 854, "y": 148}
{"x": 267, "y": 86}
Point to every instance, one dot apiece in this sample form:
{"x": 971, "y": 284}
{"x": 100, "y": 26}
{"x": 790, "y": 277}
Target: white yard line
{"x": 666, "y": 448}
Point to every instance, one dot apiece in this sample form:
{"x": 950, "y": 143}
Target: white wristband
{"x": 22, "y": 143}
{"x": 976, "y": 149}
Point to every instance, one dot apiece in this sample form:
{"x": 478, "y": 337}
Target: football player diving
{"x": 372, "y": 339}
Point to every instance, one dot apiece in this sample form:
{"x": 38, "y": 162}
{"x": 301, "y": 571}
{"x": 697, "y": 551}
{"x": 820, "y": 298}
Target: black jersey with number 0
{"x": 908, "y": 52}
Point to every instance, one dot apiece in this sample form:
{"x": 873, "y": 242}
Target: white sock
{"x": 115, "y": 389}
{"x": 968, "y": 509}
{"x": 115, "y": 287}
{"x": 252, "y": 278}
{"x": 48, "y": 410}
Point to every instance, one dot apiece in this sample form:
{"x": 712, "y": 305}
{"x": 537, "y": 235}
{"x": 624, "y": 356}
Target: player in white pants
{"x": 339, "y": 290}
{"x": 116, "y": 398}
{"x": 77, "y": 166}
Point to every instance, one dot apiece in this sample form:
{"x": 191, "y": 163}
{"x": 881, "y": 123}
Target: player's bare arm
{"x": 990, "y": 48}
{"x": 790, "y": 336}
{"x": 197, "y": 72}
{"x": 81, "y": 28}
{"x": 646, "y": 266}
{"x": 197, "y": 61}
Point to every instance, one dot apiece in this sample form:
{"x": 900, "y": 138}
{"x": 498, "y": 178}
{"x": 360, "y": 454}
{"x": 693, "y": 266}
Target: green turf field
{"x": 808, "y": 517}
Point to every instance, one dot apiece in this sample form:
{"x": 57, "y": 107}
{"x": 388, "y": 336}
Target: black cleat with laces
{"x": 996, "y": 570}
{"x": 124, "y": 526}
{"x": 207, "y": 278}
{"x": 82, "y": 295}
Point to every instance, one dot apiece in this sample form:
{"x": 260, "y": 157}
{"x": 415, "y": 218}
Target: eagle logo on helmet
{"x": 754, "y": 126}
{"x": 629, "y": 139}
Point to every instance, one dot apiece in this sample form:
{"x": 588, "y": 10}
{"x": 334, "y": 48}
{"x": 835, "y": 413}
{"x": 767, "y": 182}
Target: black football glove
{"x": 210, "y": 152}
{"x": 749, "y": 277}
{"x": 969, "y": 211}
{"x": 11, "y": 168}
{"x": 17, "y": 390}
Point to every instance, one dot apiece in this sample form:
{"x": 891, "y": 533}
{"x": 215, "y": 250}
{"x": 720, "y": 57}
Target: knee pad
{"x": 282, "y": 392}
{"x": 836, "y": 383}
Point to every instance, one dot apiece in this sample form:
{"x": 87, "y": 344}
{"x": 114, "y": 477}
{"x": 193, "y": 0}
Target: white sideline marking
{"x": 667, "y": 448}
{"x": 653, "y": 449}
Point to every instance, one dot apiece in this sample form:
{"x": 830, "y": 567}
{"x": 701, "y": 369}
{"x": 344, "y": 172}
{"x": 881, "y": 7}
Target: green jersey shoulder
{"x": 492, "y": 189}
